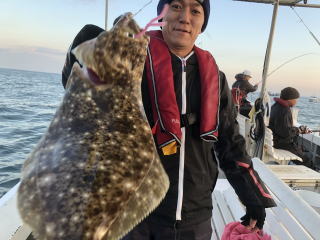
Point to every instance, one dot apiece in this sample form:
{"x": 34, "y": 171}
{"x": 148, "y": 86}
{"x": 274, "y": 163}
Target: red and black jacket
{"x": 202, "y": 157}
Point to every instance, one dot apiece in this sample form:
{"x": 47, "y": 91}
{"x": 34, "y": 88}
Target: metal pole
{"x": 269, "y": 48}
{"x": 284, "y": 4}
{"x": 106, "y": 15}
{"x": 302, "y": 5}
{"x": 260, "y": 116}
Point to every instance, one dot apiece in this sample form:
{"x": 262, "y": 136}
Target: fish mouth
{"x": 129, "y": 27}
{"x": 132, "y": 49}
{"x": 94, "y": 78}
{"x": 114, "y": 52}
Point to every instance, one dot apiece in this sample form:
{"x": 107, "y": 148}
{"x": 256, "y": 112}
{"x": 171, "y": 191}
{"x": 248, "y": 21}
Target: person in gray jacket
{"x": 285, "y": 134}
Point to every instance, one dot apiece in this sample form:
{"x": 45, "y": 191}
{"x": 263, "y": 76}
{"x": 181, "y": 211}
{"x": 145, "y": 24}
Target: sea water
{"x": 28, "y": 101}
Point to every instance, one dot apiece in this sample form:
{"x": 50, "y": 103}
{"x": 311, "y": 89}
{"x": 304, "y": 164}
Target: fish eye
{"x": 128, "y": 34}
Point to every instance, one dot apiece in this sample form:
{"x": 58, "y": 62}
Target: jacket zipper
{"x": 183, "y": 130}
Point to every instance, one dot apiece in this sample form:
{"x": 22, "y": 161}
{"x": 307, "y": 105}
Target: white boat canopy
{"x": 293, "y": 3}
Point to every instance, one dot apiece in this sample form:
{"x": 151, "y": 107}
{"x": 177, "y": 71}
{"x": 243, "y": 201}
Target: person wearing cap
{"x": 189, "y": 107}
{"x": 285, "y": 134}
{"x": 240, "y": 89}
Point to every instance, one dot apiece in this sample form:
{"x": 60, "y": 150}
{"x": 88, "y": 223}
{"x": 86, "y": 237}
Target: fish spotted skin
{"x": 95, "y": 173}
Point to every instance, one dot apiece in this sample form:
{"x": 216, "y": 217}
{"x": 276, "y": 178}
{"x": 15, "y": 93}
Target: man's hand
{"x": 254, "y": 218}
{"x": 304, "y": 129}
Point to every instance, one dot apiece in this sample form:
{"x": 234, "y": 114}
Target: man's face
{"x": 184, "y": 22}
{"x": 293, "y": 102}
{"x": 246, "y": 77}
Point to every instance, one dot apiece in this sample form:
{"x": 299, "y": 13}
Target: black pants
{"x": 306, "y": 159}
{"x": 245, "y": 108}
{"x": 148, "y": 230}
{"x": 306, "y": 156}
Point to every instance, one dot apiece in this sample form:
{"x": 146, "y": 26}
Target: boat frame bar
{"x": 285, "y": 4}
{"x": 269, "y": 48}
{"x": 106, "y": 15}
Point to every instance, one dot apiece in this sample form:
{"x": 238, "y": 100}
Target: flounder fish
{"x": 95, "y": 173}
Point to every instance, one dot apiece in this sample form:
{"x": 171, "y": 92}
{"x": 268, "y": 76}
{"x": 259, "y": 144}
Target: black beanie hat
{"x": 204, "y": 3}
{"x": 289, "y": 93}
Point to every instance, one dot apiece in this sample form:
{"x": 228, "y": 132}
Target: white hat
{"x": 247, "y": 73}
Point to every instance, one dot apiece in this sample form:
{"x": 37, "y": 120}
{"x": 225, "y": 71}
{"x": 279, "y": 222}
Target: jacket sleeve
{"x": 285, "y": 128}
{"x": 248, "y": 87}
{"x": 86, "y": 33}
{"x": 233, "y": 158}
{"x": 146, "y": 99}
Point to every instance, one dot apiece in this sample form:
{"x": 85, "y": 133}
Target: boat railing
{"x": 11, "y": 225}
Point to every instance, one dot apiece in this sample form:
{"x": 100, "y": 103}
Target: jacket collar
{"x": 282, "y": 102}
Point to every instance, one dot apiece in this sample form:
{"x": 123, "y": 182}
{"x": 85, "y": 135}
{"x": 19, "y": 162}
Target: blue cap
{"x": 204, "y": 3}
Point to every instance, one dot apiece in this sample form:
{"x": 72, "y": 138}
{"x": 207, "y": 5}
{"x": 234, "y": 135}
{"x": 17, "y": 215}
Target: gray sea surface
{"x": 28, "y": 101}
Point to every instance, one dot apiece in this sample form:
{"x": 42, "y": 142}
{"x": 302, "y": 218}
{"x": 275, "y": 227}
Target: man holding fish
{"x": 192, "y": 116}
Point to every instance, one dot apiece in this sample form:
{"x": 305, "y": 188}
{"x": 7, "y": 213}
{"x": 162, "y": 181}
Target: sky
{"x": 36, "y": 34}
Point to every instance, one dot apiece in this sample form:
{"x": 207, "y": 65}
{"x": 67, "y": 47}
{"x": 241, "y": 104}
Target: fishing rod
{"x": 286, "y": 62}
{"x": 290, "y": 60}
{"x": 311, "y": 131}
{"x": 314, "y": 131}
{"x": 144, "y": 6}
{"x": 258, "y": 83}
{"x": 311, "y": 33}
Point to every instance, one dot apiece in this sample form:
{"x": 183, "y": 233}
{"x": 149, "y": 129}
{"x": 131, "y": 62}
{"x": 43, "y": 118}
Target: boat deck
{"x": 292, "y": 219}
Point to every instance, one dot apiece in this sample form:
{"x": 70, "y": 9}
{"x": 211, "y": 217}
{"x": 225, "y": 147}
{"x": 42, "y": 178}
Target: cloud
{"x": 34, "y": 50}
{"x": 49, "y": 51}
{"x": 32, "y": 58}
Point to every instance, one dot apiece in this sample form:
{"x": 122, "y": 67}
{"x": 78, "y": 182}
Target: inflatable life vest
{"x": 237, "y": 95}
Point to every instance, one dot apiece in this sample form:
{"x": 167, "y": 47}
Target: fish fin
{"x": 147, "y": 197}
{"x": 75, "y": 67}
{"x": 85, "y": 53}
